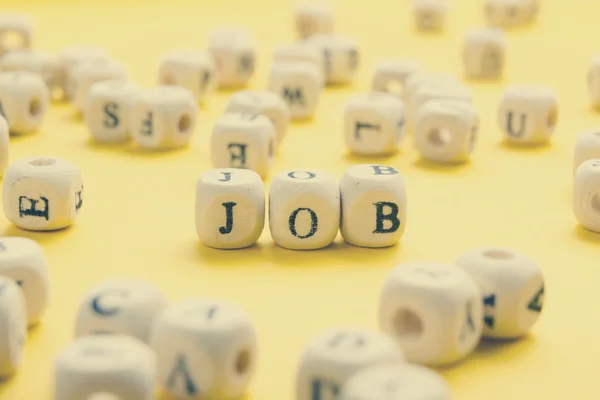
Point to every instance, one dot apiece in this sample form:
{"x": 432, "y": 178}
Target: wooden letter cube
{"x": 193, "y": 70}
{"x": 390, "y": 75}
{"x": 93, "y": 365}
{"x": 586, "y": 148}
{"x": 430, "y": 15}
{"x": 304, "y": 209}
{"x": 245, "y": 141}
{"x": 341, "y": 58}
{"x": 13, "y": 326}
{"x": 42, "y": 193}
{"x": 433, "y": 311}
{"x": 374, "y": 124}
{"x": 528, "y": 113}
{"x": 16, "y": 32}
{"x": 163, "y": 117}
{"x": 512, "y": 286}
{"x": 333, "y": 357}
{"x": 234, "y": 53}
{"x": 23, "y": 261}
{"x": 4, "y": 145}
{"x": 86, "y": 73}
{"x": 586, "y": 194}
{"x": 71, "y": 56}
{"x": 205, "y": 349}
{"x": 24, "y": 100}
{"x": 484, "y": 54}
{"x": 299, "y": 84}
{"x": 312, "y": 19}
{"x": 373, "y": 205}
{"x": 120, "y": 306}
{"x": 36, "y": 61}
{"x": 230, "y": 208}
{"x": 509, "y": 13}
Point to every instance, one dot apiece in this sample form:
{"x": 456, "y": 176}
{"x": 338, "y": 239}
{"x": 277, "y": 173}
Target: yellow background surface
{"x": 138, "y": 216}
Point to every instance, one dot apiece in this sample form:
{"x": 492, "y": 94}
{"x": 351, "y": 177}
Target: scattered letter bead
{"x": 245, "y": 141}
{"x": 13, "y": 326}
{"x": 593, "y": 81}
{"x": 23, "y": 261}
{"x": 396, "y": 382}
{"x": 374, "y": 124}
{"x": 333, "y": 357}
{"x": 434, "y": 312}
{"x": 118, "y": 365}
{"x": 341, "y": 58}
{"x": 24, "y": 100}
{"x": 230, "y": 208}
{"x": 484, "y": 54}
{"x": 4, "y": 145}
{"x": 430, "y": 15}
{"x": 586, "y": 194}
{"x": 304, "y": 209}
{"x": 193, "y": 70}
{"x": 299, "y": 84}
{"x": 86, "y": 73}
{"x": 39, "y": 62}
{"x": 509, "y": 13}
{"x": 205, "y": 349}
{"x": 71, "y": 56}
{"x": 586, "y": 148}
{"x": 234, "y": 55}
{"x": 120, "y": 306}
{"x": 373, "y": 201}
{"x": 18, "y": 26}
{"x": 528, "y": 113}
{"x": 265, "y": 103}
{"x": 512, "y": 286}
{"x": 163, "y": 117}
{"x": 42, "y": 193}
{"x": 390, "y": 75}
{"x": 302, "y": 51}
{"x": 313, "y": 19}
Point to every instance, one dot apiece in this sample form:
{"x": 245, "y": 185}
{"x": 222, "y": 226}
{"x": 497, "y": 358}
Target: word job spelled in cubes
{"x": 304, "y": 208}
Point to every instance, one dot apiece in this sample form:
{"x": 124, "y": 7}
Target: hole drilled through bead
{"x": 596, "y": 202}
{"x": 498, "y": 254}
{"x": 42, "y": 162}
{"x": 439, "y": 137}
{"x": 408, "y": 325}
{"x": 35, "y": 107}
{"x": 185, "y": 122}
{"x": 242, "y": 362}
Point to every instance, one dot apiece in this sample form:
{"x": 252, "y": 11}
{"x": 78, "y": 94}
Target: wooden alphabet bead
{"x": 302, "y": 51}
{"x": 304, "y": 209}
{"x": 418, "y": 78}
{"x": 333, "y": 357}
{"x": 299, "y": 84}
{"x": 430, "y": 15}
{"x": 102, "y": 365}
{"x": 374, "y": 124}
{"x": 42, "y": 193}
{"x": 586, "y": 148}
{"x": 16, "y": 32}
{"x": 409, "y": 311}
{"x": 206, "y": 349}
{"x": 390, "y": 75}
{"x": 593, "y": 82}
{"x": 13, "y": 326}
{"x": 484, "y": 53}
{"x": 193, "y": 70}
{"x": 509, "y": 13}
{"x": 264, "y": 103}
{"x": 528, "y": 113}
{"x": 35, "y": 61}
{"x": 23, "y": 261}
{"x": 586, "y": 194}
{"x": 313, "y": 19}
{"x": 396, "y": 382}
{"x": 446, "y": 130}
{"x": 107, "y": 108}
{"x": 234, "y": 53}
{"x": 373, "y": 201}
{"x": 512, "y": 286}
{"x": 4, "y": 145}
{"x": 24, "y": 100}
{"x": 341, "y": 58}
{"x": 86, "y": 73}
{"x": 245, "y": 141}
{"x": 230, "y": 208}
{"x": 163, "y": 117}
{"x": 71, "y": 56}
{"x": 120, "y": 306}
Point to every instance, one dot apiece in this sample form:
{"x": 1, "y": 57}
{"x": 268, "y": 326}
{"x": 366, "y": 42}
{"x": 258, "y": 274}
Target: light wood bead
{"x": 36, "y": 61}
{"x": 302, "y": 51}
{"x": 528, "y": 113}
{"x": 410, "y": 310}
{"x": 194, "y": 70}
{"x": 18, "y": 26}
{"x": 234, "y": 54}
{"x": 586, "y": 148}
{"x": 69, "y": 57}
{"x": 116, "y": 365}
{"x": 509, "y": 13}
{"x": 13, "y": 326}
{"x": 586, "y": 194}
{"x": 446, "y": 130}
{"x": 593, "y": 82}
{"x": 390, "y": 75}
{"x": 512, "y": 286}
{"x": 163, "y": 117}
{"x": 373, "y": 201}
{"x": 24, "y": 100}
{"x": 107, "y": 109}
{"x": 374, "y": 124}
{"x": 120, "y": 306}
{"x": 23, "y": 260}
{"x": 299, "y": 84}
{"x": 206, "y": 349}
{"x": 86, "y": 73}
{"x": 333, "y": 357}
{"x": 436, "y": 91}
{"x": 396, "y": 382}
{"x": 484, "y": 53}
{"x": 418, "y": 78}
{"x": 246, "y": 141}
{"x": 304, "y": 209}
{"x": 42, "y": 193}
{"x": 262, "y": 102}
{"x": 230, "y": 208}
{"x": 4, "y": 145}
{"x": 341, "y": 57}
{"x": 430, "y": 15}
{"x": 313, "y": 19}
